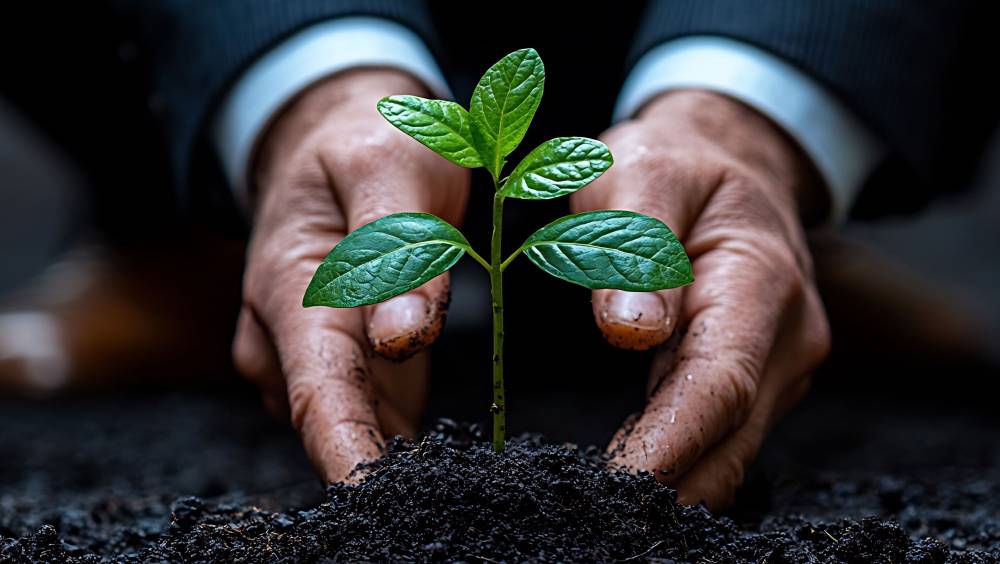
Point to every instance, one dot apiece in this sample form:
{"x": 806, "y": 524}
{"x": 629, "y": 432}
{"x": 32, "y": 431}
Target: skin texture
{"x": 739, "y": 343}
{"x": 328, "y": 165}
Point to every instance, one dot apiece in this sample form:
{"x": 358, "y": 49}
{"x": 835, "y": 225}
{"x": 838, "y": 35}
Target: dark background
{"x": 913, "y": 299}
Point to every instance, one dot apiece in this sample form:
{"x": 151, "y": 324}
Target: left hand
{"x": 733, "y": 188}
{"x": 327, "y": 165}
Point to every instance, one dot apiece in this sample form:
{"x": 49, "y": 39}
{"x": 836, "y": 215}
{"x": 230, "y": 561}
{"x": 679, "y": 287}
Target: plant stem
{"x": 496, "y": 290}
{"x": 478, "y": 258}
{"x": 503, "y": 265}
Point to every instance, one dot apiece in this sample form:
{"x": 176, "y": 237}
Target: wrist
{"x": 344, "y": 96}
{"x": 750, "y": 139}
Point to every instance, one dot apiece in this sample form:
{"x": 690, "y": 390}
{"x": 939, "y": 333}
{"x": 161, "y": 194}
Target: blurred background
{"x": 111, "y": 277}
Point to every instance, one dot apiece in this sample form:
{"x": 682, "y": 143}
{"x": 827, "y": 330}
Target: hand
{"x": 752, "y": 326}
{"x": 328, "y": 165}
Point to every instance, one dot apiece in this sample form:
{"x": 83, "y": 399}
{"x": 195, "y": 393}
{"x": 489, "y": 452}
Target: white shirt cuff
{"x": 300, "y": 61}
{"x": 843, "y": 149}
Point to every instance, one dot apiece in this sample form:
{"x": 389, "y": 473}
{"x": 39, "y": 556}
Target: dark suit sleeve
{"x": 897, "y": 63}
{"x": 194, "y": 50}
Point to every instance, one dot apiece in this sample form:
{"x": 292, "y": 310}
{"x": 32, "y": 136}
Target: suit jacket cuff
{"x": 292, "y": 66}
{"x": 841, "y": 147}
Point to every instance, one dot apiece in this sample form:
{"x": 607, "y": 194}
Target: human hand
{"x": 752, "y": 326}
{"x": 328, "y": 165}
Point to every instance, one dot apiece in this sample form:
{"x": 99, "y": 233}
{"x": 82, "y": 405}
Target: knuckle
{"x": 739, "y": 387}
{"x": 741, "y": 204}
{"x": 307, "y": 174}
{"x": 370, "y": 208}
{"x": 748, "y": 211}
{"x": 321, "y": 366}
{"x": 740, "y": 186}
{"x": 666, "y": 166}
{"x": 776, "y": 257}
{"x": 365, "y": 154}
{"x": 301, "y": 395}
{"x": 648, "y": 161}
{"x": 662, "y": 178}
{"x": 626, "y": 137}
{"x": 298, "y": 169}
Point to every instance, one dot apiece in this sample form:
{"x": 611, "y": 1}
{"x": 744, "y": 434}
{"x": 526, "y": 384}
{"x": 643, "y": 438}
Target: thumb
{"x": 636, "y": 320}
{"x": 401, "y": 327}
{"x": 639, "y": 320}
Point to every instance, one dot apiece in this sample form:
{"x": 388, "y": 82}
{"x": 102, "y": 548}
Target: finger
{"x": 403, "y": 326}
{"x": 800, "y": 346}
{"x": 669, "y": 185}
{"x": 256, "y": 359}
{"x": 735, "y": 308}
{"x": 328, "y": 386}
{"x": 330, "y": 394}
{"x": 717, "y": 475}
{"x": 382, "y": 175}
{"x": 644, "y": 184}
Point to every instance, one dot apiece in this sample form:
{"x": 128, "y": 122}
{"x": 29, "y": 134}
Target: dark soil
{"x": 448, "y": 498}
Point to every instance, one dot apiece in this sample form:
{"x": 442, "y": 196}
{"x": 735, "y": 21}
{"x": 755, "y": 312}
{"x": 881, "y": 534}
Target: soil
{"x": 96, "y": 479}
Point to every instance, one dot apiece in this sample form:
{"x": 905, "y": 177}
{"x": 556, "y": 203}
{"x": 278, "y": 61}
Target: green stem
{"x": 503, "y": 265}
{"x": 478, "y": 258}
{"x": 496, "y": 290}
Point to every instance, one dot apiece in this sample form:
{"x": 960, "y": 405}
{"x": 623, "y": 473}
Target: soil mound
{"x": 450, "y": 498}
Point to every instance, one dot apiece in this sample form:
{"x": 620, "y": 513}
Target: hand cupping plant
{"x": 602, "y": 249}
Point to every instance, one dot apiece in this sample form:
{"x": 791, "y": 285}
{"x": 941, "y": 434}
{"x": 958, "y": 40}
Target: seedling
{"x": 601, "y": 249}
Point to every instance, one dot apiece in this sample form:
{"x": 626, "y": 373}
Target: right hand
{"x": 329, "y": 164}
{"x": 733, "y": 187}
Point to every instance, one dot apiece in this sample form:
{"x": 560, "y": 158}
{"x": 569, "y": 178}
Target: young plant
{"x": 602, "y": 249}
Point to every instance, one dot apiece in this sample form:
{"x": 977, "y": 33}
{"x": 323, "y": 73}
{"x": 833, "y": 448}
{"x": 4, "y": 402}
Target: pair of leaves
{"x": 503, "y": 104}
{"x": 603, "y": 249}
{"x": 555, "y": 168}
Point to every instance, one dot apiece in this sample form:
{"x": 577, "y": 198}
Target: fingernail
{"x": 643, "y": 310}
{"x": 399, "y": 316}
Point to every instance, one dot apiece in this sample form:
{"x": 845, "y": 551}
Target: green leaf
{"x": 611, "y": 249}
{"x": 558, "y": 167}
{"x": 442, "y": 126}
{"x": 385, "y": 258}
{"x": 503, "y": 104}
